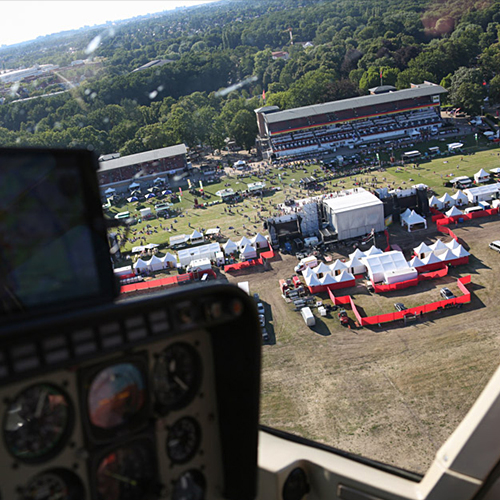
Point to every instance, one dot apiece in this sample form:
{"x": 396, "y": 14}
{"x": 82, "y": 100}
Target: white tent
{"x": 356, "y": 254}
{"x": 322, "y": 269}
{"x": 452, "y": 244}
{"x": 453, "y": 211}
{"x": 307, "y": 272}
{"x": 406, "y": 213}
{"x": 432, "y": 258}
{"x": 416, "y": 262}
{"x": 140, "y": 265}
{"x": 169, "y": 260}
{"x": 446, "y": 200}
{"x": 447, "y": 255}
{"x": 154, "y": 263}
{"x": 398, "y": 275}
{"x": 344, "y": 276}
{"x": 438, "y": 247}
{"x": 134, "y": 185}
{"x": 482, "y": 193}
{"x": 414, "y": 221}
{"x": 460, "y": 198}
{"x": 243, "y": 242}
{"x": 355, "y": 266}
{"x": 109, "y": 190}
{"x": 379, "y": 264}
{"x": 229, "y": 247}
{"x": 481, "y": 176}
{"x": 259, "y": 241}
{"x": 495, "y": 170}
{"x": 327, "y": 279}
{"x": 196, "y": 237}
{"x": 354, "y": 212}
{"x": 422, "y": 250}
{"x": 248, "y": 252}
{"x": 435, "y": 203}
{"x": 312, "y": 280}
{"x": 460, "y": 252}
{"x": 337, "y": 267}
{"x": 373, "y": 250}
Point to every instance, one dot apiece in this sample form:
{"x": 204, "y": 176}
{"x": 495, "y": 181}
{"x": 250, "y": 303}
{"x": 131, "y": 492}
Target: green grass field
{"x": 243, "y": 218}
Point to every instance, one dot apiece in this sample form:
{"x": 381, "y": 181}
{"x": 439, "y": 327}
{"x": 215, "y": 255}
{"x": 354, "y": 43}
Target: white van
{"x": 308, "y": 316}
{"x": 310, "y": 261}
{"x": 473, "y": 209}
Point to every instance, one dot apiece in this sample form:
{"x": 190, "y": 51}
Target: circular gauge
{"x": 176, "y": 376}
{"x": 183, "y": 440}
{"x": 37, "y": 423}
{"x": 127, "y": 473}
{"x": 55, "y": 484}
{"x": 190, "y": 486}
{"x": 117, "y": 393}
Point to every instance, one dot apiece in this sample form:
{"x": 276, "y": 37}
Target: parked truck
{"x": 310, "y": 261}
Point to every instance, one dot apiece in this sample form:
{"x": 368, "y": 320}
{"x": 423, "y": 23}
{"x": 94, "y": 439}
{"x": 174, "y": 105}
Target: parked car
{"x": 446, "y": 293}
{"x": 262, "y": 320}
{"x": 495, "y": 245}
{"x": 265, "y": 335}
{"x": 256, "y": 297}
{"x": 260, "y": 308}
{"x": 400, "y": 307}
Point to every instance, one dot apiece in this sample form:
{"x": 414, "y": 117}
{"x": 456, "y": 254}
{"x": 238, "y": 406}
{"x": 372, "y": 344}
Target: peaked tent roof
{"x": 373, "y": 251}
{"x": 307, "y": 272}
{"x": 338, "y": 265}
{"x": 229, "y": 246}
{"x": 355, "y": 262}
{"x": 327, "y": 279}
{"x": 447, "y": 255}
{"x": 258, "y": 238}
{"x": 446, "y": 198}
{"x": 243, "y": 241}
{"x": 422, "y": 248}
{"x": 460, "y": 252}
{"x": 432, "y": 258}
{"x": 195, "y": 235}
{"x": 438, "y": 245}
{"x": 453, "y": 211}
{"x": 344, "y": 276}
{"x": 416, "y": 262}
{"x": 247, "y": 249}
{"x": 482, "y": 173}
{"x": 452, "y": 244}
{"x": 460, "y": 196}
{"x": 414, "y": 218}
{"x": 434, "y": 201}
{"x": 322, "y": 268}
{"x": 312, "y": 280}
{"x": 168, "y": 257}
{"x": 140, "y": 264}
{"x": 406, "y": 213}
{"x": 357, "y": 253}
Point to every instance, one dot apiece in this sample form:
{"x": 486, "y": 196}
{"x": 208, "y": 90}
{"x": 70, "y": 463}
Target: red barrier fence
{"x": 169, "y": 281}
{"x": 397, "y": 315}
{"x": 249, "y": 263}
{"x": 448, "y": 231}
{"x": 462, "y": 217}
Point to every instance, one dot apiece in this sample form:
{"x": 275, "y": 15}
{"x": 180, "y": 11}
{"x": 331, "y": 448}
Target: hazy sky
{"x": 27, "y": 19}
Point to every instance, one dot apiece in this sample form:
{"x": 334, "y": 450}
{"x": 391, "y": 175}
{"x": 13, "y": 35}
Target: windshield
{"x": 290, "y": 144}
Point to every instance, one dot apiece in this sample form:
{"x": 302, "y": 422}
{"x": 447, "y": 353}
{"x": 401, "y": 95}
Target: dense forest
{"x": 353, "y": 46}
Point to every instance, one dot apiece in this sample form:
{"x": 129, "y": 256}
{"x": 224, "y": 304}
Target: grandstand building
{"x": 147, "y": 165}
{"x": 404, "y": 114}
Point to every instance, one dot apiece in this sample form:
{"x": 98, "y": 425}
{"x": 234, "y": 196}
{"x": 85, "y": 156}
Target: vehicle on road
{"x": 260, "y": 308}
{"x": 446, "y": 293}
{"x": 262, "y": 320}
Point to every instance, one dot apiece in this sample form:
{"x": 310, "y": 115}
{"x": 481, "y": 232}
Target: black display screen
{"x": 53, "y": 245}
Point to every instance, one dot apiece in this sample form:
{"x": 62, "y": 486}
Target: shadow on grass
{"x": 320, "y": 328}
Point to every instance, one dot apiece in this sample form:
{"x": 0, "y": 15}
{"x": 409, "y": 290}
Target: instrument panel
{"x": 143, "y": 422}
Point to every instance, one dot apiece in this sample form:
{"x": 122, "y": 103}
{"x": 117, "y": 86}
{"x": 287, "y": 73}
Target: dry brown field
{"x": 392, "y": 393}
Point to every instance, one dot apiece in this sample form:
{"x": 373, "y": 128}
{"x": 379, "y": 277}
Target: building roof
{"x": 423, "y": 90}
{"x": 352, "y": 199}
{"x": 147, "y": 156}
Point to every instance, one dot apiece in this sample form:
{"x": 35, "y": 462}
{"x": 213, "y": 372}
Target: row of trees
{"x": 355, "y": 45}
